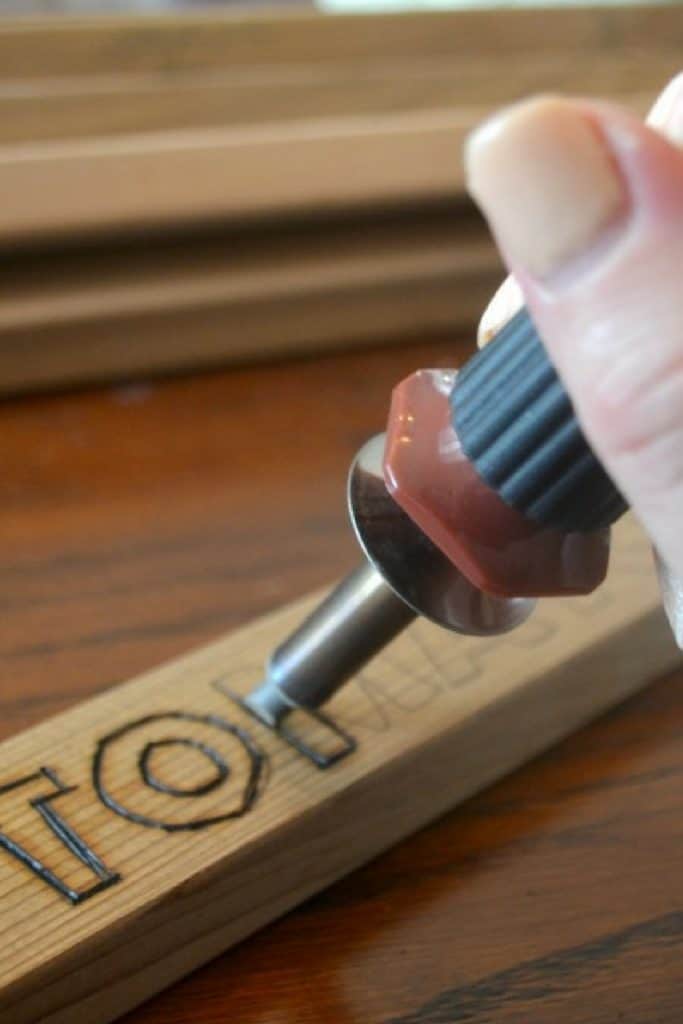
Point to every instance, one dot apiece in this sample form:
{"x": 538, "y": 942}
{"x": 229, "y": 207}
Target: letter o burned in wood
{"x": 156, "y": 803}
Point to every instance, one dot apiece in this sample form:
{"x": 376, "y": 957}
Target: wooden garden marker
{"x": 149, "y": 829}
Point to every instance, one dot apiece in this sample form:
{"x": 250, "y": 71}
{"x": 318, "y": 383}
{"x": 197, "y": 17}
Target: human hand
{"x": 586, "y": 204}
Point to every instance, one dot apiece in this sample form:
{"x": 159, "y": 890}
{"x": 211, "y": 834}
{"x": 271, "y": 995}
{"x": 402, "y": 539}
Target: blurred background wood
{"x": 131, "y": 122}
{"x": 103, "y": 311}
{"x": 203, "y": 187}
{"x": 139, "y": 521}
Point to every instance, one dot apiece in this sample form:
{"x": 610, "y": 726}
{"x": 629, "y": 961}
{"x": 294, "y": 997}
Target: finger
{"x": 666, "y": 117}
{"x": 671, "y": 586}
{"x": 587, "y": 206}
{"x": 507, "y": 301}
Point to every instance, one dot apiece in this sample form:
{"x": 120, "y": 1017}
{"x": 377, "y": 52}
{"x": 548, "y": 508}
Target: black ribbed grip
{"x": 517, "y": 426}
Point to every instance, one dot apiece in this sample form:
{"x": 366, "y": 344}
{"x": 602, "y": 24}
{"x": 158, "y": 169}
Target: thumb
{"x": 666, "y": 116}
{"x": 587, "y": 206}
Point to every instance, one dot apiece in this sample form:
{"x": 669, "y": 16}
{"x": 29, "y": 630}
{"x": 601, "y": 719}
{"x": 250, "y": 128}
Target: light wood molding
{"x": 188, "y": 42}
{"x": 436, "y": 718}
{"x": 50, "y": 109}
{"x": 95, "y": 314}
{"x": 141, "y": 181}
{"x": 130, "y": 127}
{"x": 128, "y": 122}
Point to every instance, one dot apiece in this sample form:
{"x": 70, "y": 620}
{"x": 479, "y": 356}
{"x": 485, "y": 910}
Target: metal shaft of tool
{"x": 358, "y": 619}
{"x": 364, "y": 612}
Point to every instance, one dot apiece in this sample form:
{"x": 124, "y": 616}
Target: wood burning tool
{"x": 482, "y": 496}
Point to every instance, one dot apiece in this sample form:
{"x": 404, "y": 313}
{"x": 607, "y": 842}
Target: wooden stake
{"x": 149, "y": 829}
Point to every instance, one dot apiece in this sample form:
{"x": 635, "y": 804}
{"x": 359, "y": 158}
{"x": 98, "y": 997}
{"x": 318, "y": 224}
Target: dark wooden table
{"x": 139, "y": 521}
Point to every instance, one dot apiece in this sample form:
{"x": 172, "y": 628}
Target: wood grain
{"x": 552, "y": 896}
